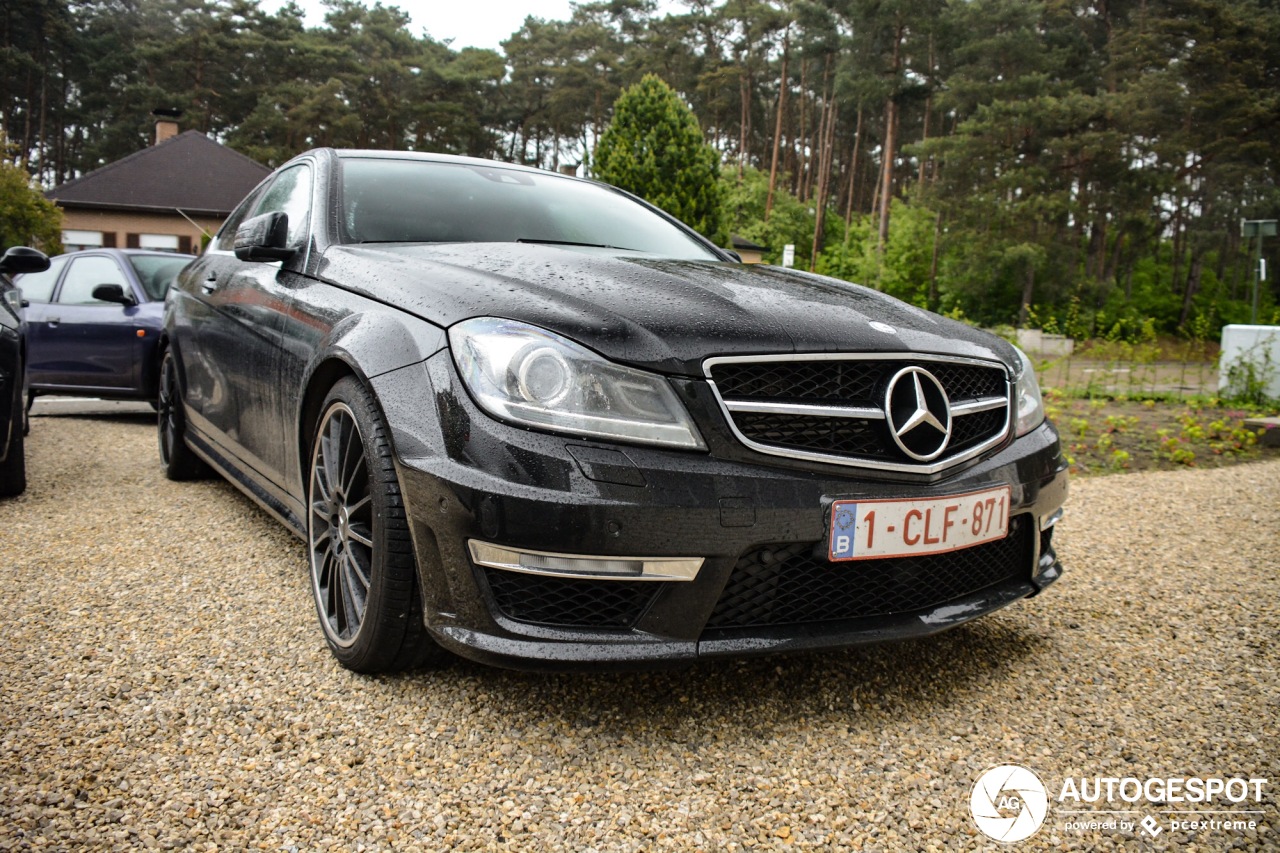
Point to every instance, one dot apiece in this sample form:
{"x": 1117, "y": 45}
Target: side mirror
{"x": 21, "y": 259}
{"x": 113, "y": 293}
{"x": 731, "y": 253}
{"x": 263, "y": 238}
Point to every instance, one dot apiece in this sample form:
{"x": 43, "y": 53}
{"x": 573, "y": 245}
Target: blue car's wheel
{"x": 363, "y": 573}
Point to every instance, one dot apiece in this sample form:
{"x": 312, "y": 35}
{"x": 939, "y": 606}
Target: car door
{"x": 79, "y": 343}
{"x": 233, "y": 368}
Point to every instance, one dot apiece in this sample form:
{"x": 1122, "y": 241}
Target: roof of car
{"x": 189, "y": 172}
{"x": 123, "y": 252}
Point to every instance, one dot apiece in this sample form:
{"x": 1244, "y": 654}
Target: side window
{"x": 226, "y": 241}
{"x": 38, "y": 286}
{"x": 87, "y": 273}
{"x": 290, "y": 194}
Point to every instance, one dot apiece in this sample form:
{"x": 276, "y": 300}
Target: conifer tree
{"x": 654, "y": 149}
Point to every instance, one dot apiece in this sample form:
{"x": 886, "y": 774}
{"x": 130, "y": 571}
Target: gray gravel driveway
{"x": 163, "y": 683}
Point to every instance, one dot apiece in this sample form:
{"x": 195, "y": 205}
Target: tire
{"x": 364, "y": 578}
{"x": 179, "y": 461}
{"x": 13, "y": 470}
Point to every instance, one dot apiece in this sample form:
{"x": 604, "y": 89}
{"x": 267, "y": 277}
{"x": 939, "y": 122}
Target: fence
{"x": 1188, "y": 369}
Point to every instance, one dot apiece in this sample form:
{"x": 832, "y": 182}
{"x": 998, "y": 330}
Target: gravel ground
{"x": 163, "y": 684}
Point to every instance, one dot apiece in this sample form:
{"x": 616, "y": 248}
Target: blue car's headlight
{"x": 530, "y": 376}
{"x": 1027, "y": 393}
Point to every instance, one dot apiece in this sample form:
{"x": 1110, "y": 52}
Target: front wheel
{"x": 363, "y": 573}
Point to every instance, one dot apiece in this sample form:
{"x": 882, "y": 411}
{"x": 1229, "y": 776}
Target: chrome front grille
{"x": 834, "y": 407}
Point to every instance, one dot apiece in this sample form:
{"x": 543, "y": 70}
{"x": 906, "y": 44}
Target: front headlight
{"x": 533, "y": 377}
{"x": 1027, "y": 391}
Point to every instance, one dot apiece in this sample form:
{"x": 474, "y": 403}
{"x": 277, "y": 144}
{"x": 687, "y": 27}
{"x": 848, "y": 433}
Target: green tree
{"x": 654, "y": 149}
{"x": 790, "y": 221}
{"x": 27, "y": 218}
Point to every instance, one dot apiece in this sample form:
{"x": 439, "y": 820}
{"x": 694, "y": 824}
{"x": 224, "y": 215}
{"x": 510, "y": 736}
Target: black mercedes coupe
{"x": 536, "y": 422}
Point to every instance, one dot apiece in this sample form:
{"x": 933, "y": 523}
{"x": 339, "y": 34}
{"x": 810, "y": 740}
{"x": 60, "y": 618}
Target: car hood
{"x": 662, "y": 315}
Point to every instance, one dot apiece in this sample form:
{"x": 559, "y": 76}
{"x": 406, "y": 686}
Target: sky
{"x": 470, "y": 23}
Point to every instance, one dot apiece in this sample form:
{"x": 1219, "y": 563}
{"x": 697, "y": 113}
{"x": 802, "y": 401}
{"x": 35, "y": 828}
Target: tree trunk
{"x": 924, "y": 137}
{"x": 777, "y": 128}
{"x": 827, "y": 144}
{"x": 853, "y": 166}
{"x": 42, "y": 139}
{"x": 928, "y": 113}
{"x": 886, "y": 173}
{"x": 890, "y": 143}
{"x": 744, "y": 119}
{"x": 1111, "y": 271}
{"x": 1179, "y": 243}
{"x": 806, "y": 141}
{"x": 933, "y": 264}
{"x": 1192, "y": 288}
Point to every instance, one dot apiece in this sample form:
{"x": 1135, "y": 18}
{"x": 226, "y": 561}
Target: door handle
{"x": 53, "y": 321}
{"x": 210, "y": 283}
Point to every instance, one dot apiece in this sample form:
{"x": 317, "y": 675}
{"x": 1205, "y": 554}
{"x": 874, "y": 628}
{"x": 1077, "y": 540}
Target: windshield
{"x": 416, "y": 201}
{"x": 156, "y": 272}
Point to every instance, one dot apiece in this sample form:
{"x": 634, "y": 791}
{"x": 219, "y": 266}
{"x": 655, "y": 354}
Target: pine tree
{"x": 654, "y": 149}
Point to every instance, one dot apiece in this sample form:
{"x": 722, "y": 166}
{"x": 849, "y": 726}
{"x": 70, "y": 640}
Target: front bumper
{"x": 764, "y": 586}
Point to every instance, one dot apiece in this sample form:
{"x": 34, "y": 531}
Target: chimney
{"x": 166, "y": 123}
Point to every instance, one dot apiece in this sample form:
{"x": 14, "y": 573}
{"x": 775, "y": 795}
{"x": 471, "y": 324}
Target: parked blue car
{"x": 94, "y": 320}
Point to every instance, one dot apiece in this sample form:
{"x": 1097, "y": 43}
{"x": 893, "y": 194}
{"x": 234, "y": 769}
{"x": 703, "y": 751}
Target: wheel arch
{"x": 363, "y": 345}
{"x": 331, "y": 370}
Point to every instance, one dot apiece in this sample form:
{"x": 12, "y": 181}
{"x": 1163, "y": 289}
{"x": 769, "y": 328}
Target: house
{"x": 751, "y": 253}
{"x": 166, "y": 197}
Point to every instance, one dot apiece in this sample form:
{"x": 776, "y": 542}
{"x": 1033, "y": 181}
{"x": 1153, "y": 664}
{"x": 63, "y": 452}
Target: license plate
{"x": 865, "y": 530}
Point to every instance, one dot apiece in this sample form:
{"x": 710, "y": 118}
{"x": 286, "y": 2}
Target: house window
{"x": 74, "y": 241}
{"x": 158, "y": 242}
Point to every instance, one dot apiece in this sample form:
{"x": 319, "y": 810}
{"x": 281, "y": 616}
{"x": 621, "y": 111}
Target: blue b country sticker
{"x": 844, "y": 524}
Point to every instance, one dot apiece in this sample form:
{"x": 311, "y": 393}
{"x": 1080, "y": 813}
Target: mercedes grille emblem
{"x": 919, "y": 413}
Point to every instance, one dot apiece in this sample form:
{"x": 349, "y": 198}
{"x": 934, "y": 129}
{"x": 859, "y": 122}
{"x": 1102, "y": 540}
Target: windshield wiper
{"x": 573, "y": 243}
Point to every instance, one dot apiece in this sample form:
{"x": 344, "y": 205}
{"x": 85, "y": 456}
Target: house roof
{"x": 740, "y": 242}
{"x": 189, "y": 172}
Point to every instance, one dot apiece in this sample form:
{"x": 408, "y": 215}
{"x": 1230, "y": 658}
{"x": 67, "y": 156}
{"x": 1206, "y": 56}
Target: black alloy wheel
{"x": 363, "y": 572}
{"x": 179, "y": 461}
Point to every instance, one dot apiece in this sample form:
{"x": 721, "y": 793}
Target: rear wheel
{"x": 363, "y": 573}
{"x": 179, "y": 461}
{"x": 13, "y": 470}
